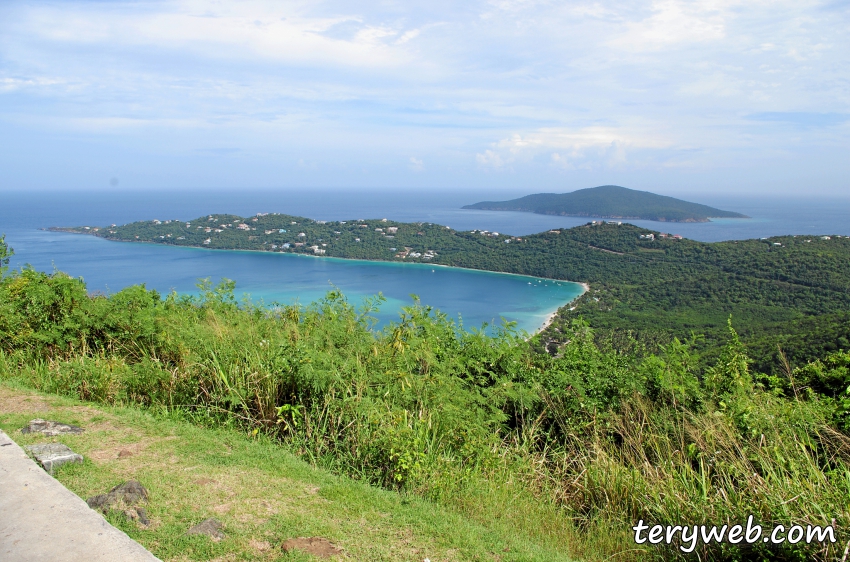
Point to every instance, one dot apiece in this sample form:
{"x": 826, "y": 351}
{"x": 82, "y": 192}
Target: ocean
{"x": 471, "y": 297}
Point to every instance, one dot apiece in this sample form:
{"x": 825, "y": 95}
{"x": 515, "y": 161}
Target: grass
{"x": 478, "y": 443}
{"x": 261, "y": 493}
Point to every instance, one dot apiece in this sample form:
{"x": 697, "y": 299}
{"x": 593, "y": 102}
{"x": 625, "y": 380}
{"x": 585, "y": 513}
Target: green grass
{"x": 491, "y": 445}
{"x": 259, "y": 491}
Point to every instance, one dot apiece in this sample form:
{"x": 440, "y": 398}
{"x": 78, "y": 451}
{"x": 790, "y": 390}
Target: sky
{"x": 676, "y": 97}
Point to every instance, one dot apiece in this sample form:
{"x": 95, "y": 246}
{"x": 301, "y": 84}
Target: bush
{"x": 606, "y": 435}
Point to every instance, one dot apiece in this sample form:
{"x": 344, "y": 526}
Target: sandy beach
{"x": 552, "y": 316}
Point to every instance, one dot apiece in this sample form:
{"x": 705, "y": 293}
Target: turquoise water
{"x": 468, "y": 296}
{"x": 475, "y": 297}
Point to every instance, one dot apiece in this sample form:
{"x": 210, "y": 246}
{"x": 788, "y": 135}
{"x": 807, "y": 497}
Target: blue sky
{"x": 673, "y": 96}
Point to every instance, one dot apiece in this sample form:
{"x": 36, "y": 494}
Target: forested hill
{"x": 789, "y": 290}
{"x": 609, "y": 201}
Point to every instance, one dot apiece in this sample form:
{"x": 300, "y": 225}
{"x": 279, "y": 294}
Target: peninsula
{"x": 611, "y": 202}
{"x": 653, "y": 284}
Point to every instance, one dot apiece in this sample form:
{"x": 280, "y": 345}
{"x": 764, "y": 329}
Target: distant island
{"x": 610, "y": 202}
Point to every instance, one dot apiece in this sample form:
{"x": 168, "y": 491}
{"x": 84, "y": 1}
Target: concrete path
{"x": 42, "y": 520}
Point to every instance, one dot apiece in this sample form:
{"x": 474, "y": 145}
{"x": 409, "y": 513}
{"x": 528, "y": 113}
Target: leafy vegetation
{"x": 609, "y": 201}
{"x": 5, "y": 255}
{"x": 260, "y": 492}
{"x": 785, "y": 293}
{"x": 593, "y": 437}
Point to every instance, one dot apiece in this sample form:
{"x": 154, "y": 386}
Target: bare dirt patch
{"x": 20, "y": 402}
{"x": 118, "y": 450}
{"x": 317, "y": 546}
{"x": 260, "y": 546}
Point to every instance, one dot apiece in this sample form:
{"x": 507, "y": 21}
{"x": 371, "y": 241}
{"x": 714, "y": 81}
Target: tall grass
{"x": 573, "y": 449}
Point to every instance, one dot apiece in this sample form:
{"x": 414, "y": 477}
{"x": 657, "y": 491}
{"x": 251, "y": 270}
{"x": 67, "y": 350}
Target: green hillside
{"x": 609, "y": 201}
{"x": 788, "y": 291}
{"x": 497, "y": 452}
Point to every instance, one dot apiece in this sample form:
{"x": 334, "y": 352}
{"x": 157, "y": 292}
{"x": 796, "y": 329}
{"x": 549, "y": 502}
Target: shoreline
{"x": 549, "y": 317}
{"x": 364, "y": 260}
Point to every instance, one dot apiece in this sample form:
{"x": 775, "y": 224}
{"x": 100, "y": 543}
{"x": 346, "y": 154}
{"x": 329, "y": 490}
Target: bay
{"x": 474, "y": 297}
{"x": 471, "y": 297}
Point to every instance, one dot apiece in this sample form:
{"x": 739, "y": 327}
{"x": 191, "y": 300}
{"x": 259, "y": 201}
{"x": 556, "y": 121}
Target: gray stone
{"x": 125, "y": 494}
{"x": 42, "y": 520}
{"x": 139, "y": 515}
{"x": 51, "y": 428}
{"x": 51, "y": 455}
{"x": 210, "y": 527}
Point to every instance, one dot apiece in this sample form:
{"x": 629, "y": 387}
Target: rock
{"x": 125, "y": 494}
{"x": 51, "y": 455}
{"x": 139, "y": 515}
{"x": 51, "y": 428}
{"x": 210, "y": 527}
{"x": 317, "y": 546}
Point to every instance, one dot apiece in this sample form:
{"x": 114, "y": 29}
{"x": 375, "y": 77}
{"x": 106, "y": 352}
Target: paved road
{"x": 41, "y": 520}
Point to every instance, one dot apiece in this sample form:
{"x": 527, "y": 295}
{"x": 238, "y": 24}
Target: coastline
{"x": 363, "y": 260}
{"x": 377, "y": 262}
{"x": 551, "y": 317}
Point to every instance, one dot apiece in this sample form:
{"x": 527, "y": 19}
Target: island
{"x": 785, "y": 290}
{"x": 610, "y": 202}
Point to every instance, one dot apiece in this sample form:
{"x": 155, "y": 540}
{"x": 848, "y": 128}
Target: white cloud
{"x": 587, "y": 147}
{"x": 249, "y": 30}
{"x": 490, "y": 85}
{"x": 676, "y": 21}
{"x": 12, "y": 84}
{"x": 489, "y": 159}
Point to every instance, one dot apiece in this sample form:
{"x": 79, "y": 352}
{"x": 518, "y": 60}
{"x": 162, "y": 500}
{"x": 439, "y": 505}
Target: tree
{"x": 5, "y": 253}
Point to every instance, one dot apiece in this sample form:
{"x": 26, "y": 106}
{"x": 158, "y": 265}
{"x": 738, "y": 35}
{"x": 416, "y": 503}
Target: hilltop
{"x": 610, "y": 201}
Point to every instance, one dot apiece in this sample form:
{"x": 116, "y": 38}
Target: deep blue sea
{"x": 472, "y": 296}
